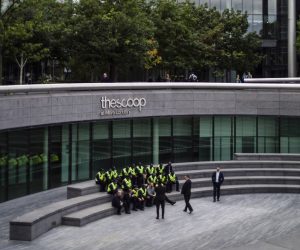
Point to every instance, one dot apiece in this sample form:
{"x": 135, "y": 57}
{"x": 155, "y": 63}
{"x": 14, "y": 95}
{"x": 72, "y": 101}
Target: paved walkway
{"x": 238, "y": 222}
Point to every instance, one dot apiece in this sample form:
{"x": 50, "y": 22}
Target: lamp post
{"x": 292, "y": 72}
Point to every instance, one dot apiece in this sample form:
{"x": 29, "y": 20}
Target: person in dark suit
{"x": 160, "y": 191}
{"x": 117, "y": 202}
{"x": 168, "y": 168}
{"x": 186, "y": 191}
{"x": 217, "y": 180}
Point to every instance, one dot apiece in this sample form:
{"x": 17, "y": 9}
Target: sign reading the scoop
{"x": 108, "y": 105}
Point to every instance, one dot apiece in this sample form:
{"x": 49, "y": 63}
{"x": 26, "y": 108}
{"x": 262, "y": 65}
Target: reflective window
{"x": 142, "y": 141}
{"x": 203, "y": 134}
{"x": 289, "y": 135}
{"x": 18, "y": 159}
{"x": 162, "y": 140}
{"x": 222, "y": 138}
{"x": 248, "y": 6}
{"x": 182, "y": 137}
{"x": 3, "y": 165}
{"x": 237, "y": 4}
{"x": 257, "y": 24}
{"x": 267, "y": 135}
{"x": 215, "y": 4}
{"x": 272, "y": 7}
{"x": 121, "y": 143}
{"x": 257, "y": 6}
{"x": 225, "y": 4}
{"x": 101, "y": 146}
{"x": 245, "y": 135}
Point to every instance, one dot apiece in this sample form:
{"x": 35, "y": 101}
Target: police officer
{"x": 160, "y": 169}
{"x": 100, "y": 180}
{"x": 150, "y": 170}
{"x": 112, "y": 188}
{"x": 134, "y": 198}
{"x": 152, "y": 179}
{"x": 171, "y": 180}
{"x": 127, "y": 183}
{"x": 142, "y": 195}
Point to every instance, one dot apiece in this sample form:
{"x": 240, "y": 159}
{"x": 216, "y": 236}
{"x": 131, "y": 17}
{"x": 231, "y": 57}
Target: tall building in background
{"x": 269, "y": 19}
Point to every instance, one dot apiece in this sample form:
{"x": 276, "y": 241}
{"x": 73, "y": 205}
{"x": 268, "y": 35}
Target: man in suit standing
{"x": 217, "y": 180}
{"x": 186, "y": 191}
{"x": 160, "y": 191}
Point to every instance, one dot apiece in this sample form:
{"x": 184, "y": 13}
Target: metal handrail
{"x": 52, "y": 88}
{"x": 273, "y": 80}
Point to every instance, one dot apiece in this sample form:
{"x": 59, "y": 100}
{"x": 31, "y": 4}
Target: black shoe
{"x": 214, "y": 200}
{"x": 118, "y": 213}
{"x": 127, "y": 212}
{"x": 163, "y": 218}
{"x": 191, "y": 211}
{"x": 184, "y": 210}
{"x": 134, "y": 209}
{"x": 157, "y": 218}
{"x": 218, "y": 199}
{"x": 173, "y": 203}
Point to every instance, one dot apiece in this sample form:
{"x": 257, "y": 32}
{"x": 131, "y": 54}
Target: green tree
{"x": 6, "y": 9}
{"x": 111, "y": 34}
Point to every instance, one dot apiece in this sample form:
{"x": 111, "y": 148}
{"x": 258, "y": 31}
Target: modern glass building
{"x": 269, "y": 19}
{"x": 54, "y": 135}
{"x": 36, "y": 159}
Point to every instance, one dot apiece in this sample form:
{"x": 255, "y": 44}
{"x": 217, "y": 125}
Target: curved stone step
{"x": 266, "y": 156}
{"x": 85, "y": 216}
{"x": 94, "y": 213}
{"x": 82, "y": 188}
{"x": 30, "y": 225}
{"x": 247, "y": 180}
{"x": 206, "y": 173}
{"x": 235, "y": 164}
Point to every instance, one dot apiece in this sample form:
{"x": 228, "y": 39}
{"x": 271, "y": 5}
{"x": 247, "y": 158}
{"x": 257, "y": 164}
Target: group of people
{"x": 136, "y": 185}
{"x": 144, "y": 186}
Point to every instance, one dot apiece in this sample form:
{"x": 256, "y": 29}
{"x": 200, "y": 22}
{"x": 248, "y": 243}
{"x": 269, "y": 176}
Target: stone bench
{"x": 83, "y": 188}
{"x": 31, "y": 225}
{"x": 206, "y": 173}
{"x": 235, "y": 164}
{"x": 266, "y": 157}
{"x": 94, "y": 213}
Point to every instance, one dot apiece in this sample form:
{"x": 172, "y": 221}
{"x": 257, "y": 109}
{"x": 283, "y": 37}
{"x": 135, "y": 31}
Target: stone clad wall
{"x": 18, "y": 111}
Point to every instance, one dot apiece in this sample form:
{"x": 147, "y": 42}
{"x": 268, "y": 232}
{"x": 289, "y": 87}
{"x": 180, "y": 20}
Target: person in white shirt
{"x": 217, "y": 180}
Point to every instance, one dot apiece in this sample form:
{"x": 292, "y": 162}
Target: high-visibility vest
{"x": 140, "y": 169}
{"x": 127, "y": 183}
{"x": 160, "y": 169}
{"x": 125, "y": 172}
{"x": 133, "y": 171}
{"x": 152, "y": 179}
{"x": 162, "y": 178}
{"x": 108, "y": 175}
{"x": 112, "y": 187}
{"x": 143, "y": 192}
{"x": 172, "y": 178}
{"x": 150, "y": 170}
{"x": 135, "y": 193}
{"x": 114, "y": 174}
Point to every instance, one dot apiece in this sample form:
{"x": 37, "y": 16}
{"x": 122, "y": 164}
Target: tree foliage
{"x": 118, "y": 35}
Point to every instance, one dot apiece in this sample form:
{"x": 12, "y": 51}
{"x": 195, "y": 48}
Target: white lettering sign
{"x": 138, "y": 103}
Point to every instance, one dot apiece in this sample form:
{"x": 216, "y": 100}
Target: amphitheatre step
{"x": 235, "y": 164}
{"x": 244, "y": 180}
{"x": 82, "y": 188}
{"x": 246, "y": 175}
{"x": 30, "y": 225}
{"x": 206, "y": 173}
{"x": 88, "y": 215}
{"x": 94, "y": 213}
{"x": 266, "y": 156}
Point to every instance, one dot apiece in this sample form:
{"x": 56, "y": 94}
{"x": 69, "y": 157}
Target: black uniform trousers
{"x": 187, "y": 198}
{"x": 216, "y": 190}
{"x": 158, "y": 204}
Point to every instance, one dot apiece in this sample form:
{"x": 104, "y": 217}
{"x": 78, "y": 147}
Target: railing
{"x": 52, "y": 88}
{"x": 272, "y": 80}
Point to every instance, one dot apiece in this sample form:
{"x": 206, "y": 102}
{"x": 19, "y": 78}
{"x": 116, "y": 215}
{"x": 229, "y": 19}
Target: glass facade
{"x": 269, "y": 19}
{"x": 37, "y": 159}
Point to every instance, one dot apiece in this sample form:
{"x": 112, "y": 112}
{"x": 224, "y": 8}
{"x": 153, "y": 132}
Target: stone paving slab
{"x": 236, "y": 221}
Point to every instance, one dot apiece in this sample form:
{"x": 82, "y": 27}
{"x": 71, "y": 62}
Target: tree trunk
{"x": 1, "y": 65}
{"x": 21, "y": 69}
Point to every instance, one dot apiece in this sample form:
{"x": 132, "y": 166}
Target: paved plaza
{"x": 258, "y": 221}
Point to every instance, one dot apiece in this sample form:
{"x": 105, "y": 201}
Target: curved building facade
{"x": 54, "y": 135}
